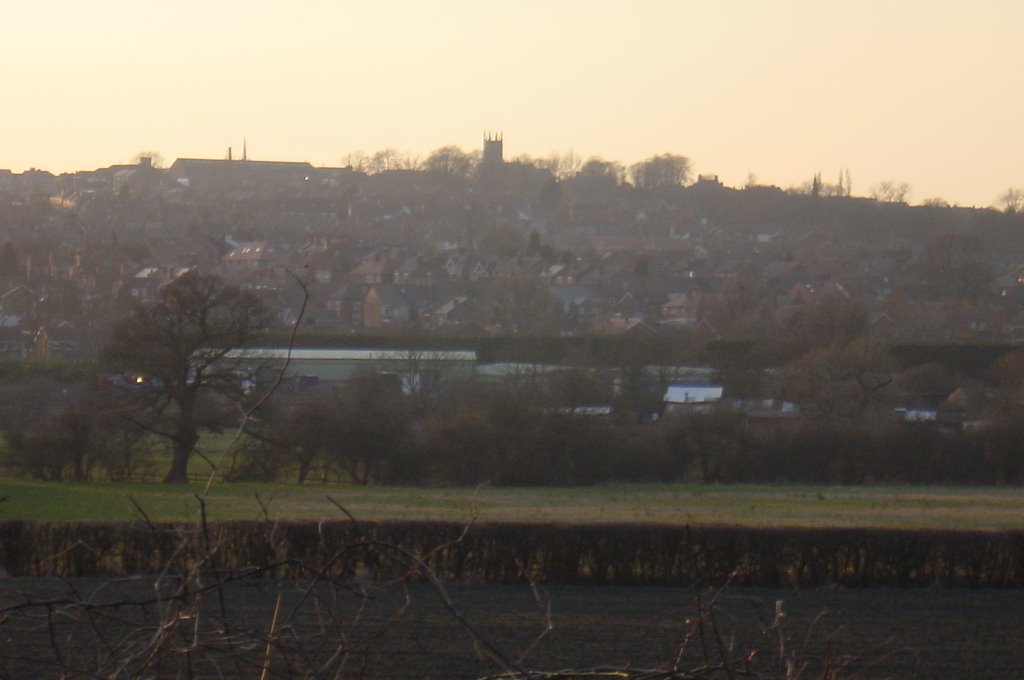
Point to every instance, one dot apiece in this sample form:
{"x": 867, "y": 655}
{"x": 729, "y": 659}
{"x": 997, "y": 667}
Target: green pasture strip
{"x": 904, "y": 507}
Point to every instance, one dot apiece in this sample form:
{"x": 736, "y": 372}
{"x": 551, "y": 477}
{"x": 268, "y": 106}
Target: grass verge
{"x": 965, "y": 508}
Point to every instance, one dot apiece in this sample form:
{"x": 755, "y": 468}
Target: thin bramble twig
{"x": 278, "y": 380}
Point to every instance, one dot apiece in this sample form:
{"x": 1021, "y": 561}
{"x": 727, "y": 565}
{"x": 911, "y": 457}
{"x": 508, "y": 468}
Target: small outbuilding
{"x": 692, "y": 396}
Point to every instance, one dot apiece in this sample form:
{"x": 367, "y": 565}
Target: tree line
{"x": 172, "y": 384}
{"x": 370, "y": 433}
{"x": 660, "y": 170}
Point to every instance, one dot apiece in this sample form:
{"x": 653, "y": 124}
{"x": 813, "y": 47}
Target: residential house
{"x": 784, "y": 275}
{"x": 251, "y": 256}
{"x": 963, "y": 405}
{"x": 883, "y": 327}
{"x": 145, "y": 283}
{"x": 411, "y": 270}
{"x": 378, "y": 267}
{"x": 767, "y": 409}
{"x": 465, "y": 266}
{"x": 13, "y": 343}
{"x": 1011, "y": 284}
{"x": 19, "y": 302}
{"x": 457, "y": 311}
{"x": 703, "y": 333}
{"x": 391, "y": 304}
{"x": 581, "y": 305}
{"x": 1013, "y": 329}
{"x": 345, "y": 304}
{"x": 681, "y": 309}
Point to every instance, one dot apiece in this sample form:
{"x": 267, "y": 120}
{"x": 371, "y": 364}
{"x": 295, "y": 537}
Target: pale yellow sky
{"x": 928, "y": 92}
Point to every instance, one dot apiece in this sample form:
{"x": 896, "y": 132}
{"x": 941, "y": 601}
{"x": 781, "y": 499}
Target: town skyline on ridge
{"x": 908, "y": 91}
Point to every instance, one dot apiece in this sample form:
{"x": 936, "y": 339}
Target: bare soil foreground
{"x": 206, "y": 616}
{"x": 783, "y": 505}
{"x": 407, "y": 631}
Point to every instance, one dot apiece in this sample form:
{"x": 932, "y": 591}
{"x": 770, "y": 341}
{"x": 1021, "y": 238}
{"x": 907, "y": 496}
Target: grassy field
{"x": 901, "y": 507}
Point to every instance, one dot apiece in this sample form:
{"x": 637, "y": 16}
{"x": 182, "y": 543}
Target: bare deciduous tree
{"x": 561, "y": 165}
{"x": 357, "y": 160}
{"x": 664, "y": 170}
{"x": 391, "y": 159}
{"x": 599, "y": 167}
{"x": 176, "y": 348}
{"x": 1012, "y": 201}
{"x": 524, "y": 306}
{"x": 889, "y": 191}
{"x": 838, "y": 381}
{"x": 449, "y": 161}
{"x": 371, "y": 428}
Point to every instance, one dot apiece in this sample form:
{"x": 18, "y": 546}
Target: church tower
{"x": 493, "y": 149}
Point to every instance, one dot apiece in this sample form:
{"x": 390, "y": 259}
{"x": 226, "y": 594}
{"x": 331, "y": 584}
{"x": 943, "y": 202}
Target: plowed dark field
{"x": 406, "y": 631}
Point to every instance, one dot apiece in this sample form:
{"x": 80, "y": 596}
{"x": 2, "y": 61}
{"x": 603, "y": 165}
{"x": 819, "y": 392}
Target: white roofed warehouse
{"x": 692, "y": 397}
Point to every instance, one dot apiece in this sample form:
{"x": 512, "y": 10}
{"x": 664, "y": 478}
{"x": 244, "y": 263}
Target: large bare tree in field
{"x": 175, "y": 346}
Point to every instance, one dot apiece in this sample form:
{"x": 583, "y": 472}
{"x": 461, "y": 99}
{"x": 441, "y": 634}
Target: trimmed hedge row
{"x": 649, "y": 555}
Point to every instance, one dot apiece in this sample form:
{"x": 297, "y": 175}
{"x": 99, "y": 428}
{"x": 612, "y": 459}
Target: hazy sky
{"x": 929, "y": 92}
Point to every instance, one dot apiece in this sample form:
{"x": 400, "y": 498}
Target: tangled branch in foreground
{"x": 333, "y": 617}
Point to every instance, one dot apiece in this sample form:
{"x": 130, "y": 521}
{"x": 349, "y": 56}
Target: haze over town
{"x": 319, "y": 320}
{"x": 909, "y": 91}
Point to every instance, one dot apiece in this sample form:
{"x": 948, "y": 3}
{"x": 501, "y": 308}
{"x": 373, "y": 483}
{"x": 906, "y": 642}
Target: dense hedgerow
{"x": 632, "y": 554}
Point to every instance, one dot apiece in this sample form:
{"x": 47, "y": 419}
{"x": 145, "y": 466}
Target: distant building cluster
{"x": 475, "y": 244}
